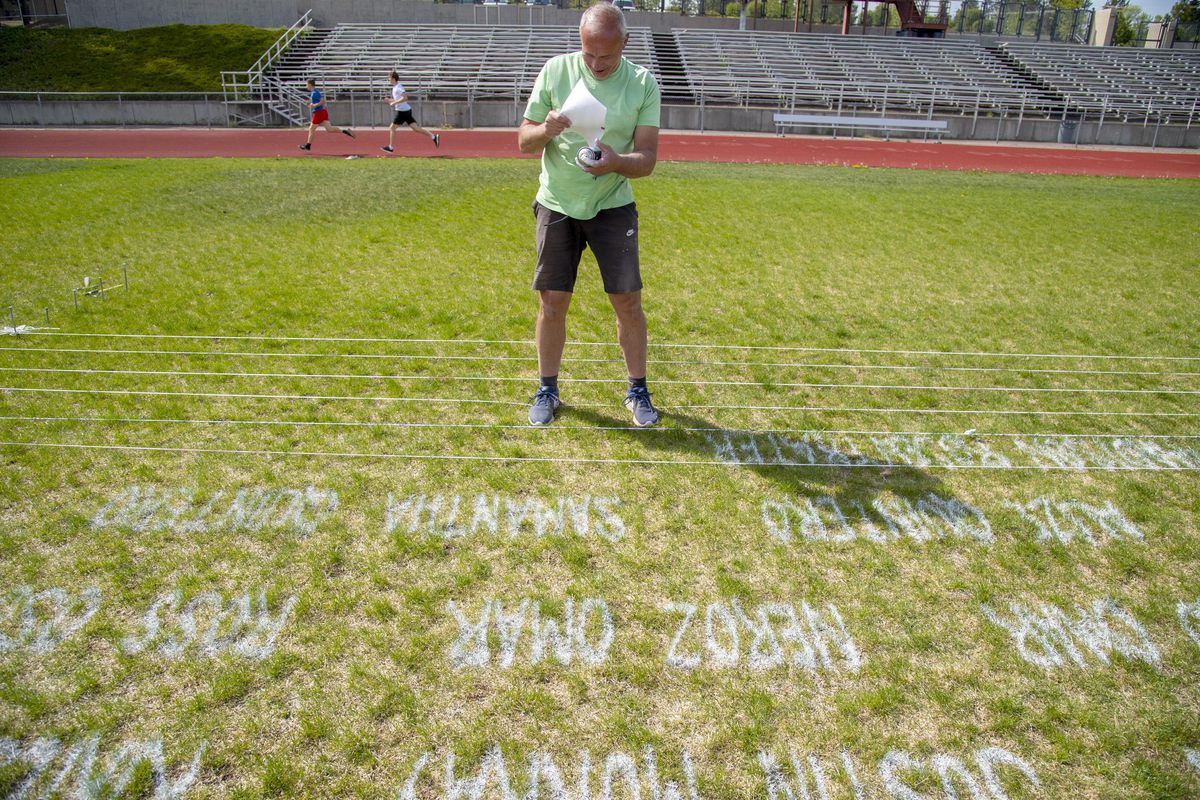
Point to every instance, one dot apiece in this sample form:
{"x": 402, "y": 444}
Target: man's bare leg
{"x": 551, "y": 333}
{"x": 631, "y": 331}
{"x": 421, "y": 130}
{"x": 551, "y": 337}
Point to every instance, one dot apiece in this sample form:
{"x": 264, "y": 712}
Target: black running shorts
{"x": 612, "y": 235}
{"x": 404, "y": 118}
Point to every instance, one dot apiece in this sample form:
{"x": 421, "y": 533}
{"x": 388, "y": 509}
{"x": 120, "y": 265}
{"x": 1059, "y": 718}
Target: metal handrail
{"x": 235, "y": 81}
{"x": 57, "y": 95}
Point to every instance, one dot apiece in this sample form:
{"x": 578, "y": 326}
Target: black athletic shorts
{"x": 404, "y": 118}
{"x": 613, "y": 236}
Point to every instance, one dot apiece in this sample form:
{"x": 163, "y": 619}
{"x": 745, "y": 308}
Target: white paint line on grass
{"x": 457, "y": 516}
{"x": 1051, "y": 638}
{"x": 56, "y": 769}
{"x": 530, "y": 343}
{"x": 541, "y": 429}
{"x": 772, "y": 635}
{"x": 622, "y": 381}
{"x": 979, "y": 412}
{"x": 249, "y": 509}
{"x": 585, "y": 633}
{"x": 652, "y": 361}
{"x": 558, "y": 460}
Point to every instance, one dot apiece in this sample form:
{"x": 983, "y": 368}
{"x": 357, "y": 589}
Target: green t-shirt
{"x": 632, "y": 98}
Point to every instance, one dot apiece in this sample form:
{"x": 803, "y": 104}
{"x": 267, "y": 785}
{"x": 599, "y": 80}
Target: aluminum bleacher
{"x": 855, "y": 73}
{"x": 786, "y": 73}
{"x": 438, "y": 61}
{"x": 1124, "y": 81}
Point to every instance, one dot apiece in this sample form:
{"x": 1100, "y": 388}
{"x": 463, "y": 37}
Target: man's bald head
{"x": 604, "y": 19}
{"x": 603, "y": 36}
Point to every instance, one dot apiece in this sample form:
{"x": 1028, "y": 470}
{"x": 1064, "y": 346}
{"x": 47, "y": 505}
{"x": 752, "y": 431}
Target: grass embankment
{"x": 171, "y": 58}
{"x": 364, "y": 677}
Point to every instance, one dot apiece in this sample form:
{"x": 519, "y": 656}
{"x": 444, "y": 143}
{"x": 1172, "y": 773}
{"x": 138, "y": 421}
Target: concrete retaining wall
{"x": 59, "y": 113}
{"x": 501, "y": 114}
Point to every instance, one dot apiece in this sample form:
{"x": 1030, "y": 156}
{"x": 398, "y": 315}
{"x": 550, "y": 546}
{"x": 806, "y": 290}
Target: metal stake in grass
{"x": 12, "y": 321}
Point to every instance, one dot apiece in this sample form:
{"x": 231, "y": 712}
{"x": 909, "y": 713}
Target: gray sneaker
{"x": 545, "y": 403}
{"x": 644, "y": 413}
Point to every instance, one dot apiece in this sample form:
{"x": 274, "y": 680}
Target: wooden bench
{"x": 885, "y": 124}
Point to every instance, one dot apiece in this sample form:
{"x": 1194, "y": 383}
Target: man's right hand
{"x": 555, "y": 124}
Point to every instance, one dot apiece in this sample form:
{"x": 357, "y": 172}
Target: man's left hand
{"x": 609, "y": 160}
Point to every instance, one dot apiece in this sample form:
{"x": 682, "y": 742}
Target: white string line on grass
{"x": 557, "y": 428}
{"x": 572, "y": 460}
{"x": 654, "y": 361}
{"x": 530, "y": 343}
{"x": 506, "y": 379}
{"x": 523, "y": 404}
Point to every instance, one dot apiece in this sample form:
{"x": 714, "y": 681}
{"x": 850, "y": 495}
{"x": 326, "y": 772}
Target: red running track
{"x": 727, "y": 148}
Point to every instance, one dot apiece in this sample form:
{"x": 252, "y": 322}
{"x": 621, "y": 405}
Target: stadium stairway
{"x": 1023, "y": 75}
{"x": 672, "y": 75}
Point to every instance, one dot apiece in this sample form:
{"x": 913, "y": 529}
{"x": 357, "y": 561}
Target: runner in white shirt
{"x": 404, "y": 115}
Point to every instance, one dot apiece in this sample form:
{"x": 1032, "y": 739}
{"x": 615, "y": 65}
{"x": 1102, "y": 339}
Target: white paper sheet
{"x": 586, "y": 113}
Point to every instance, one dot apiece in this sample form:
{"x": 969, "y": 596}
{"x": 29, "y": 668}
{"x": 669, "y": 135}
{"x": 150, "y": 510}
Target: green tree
{"x": 1130, "y": 19}
{"x": 1186, "y": 11}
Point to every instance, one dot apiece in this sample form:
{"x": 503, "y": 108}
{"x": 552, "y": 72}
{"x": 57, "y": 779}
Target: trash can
{"x": 1068, "y": 130}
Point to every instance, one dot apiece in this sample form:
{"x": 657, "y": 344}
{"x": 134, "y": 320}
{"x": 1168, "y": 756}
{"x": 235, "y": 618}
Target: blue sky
{"x": 1154, "y": 7}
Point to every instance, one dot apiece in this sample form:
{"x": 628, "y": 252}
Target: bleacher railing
{"x": 1007, "y": 18}
{"x": 244, "y": 85}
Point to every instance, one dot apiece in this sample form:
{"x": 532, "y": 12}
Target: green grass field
{"x": 364, "y": 613}
{"x": 169, "y": 58}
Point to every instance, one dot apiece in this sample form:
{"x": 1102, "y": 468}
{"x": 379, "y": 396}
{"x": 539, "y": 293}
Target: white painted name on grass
{"x": 981, "y": 783}
{"x": 617, "y": 775}
{"x": 890, "y": 517}
{"x": 54, "y": 769}
{"x": 41, "y": 621}
{"x": 208, "y": 626}
{"x": 181, "y": 510}
{"x": 931, "y": 517}
{"x": 1189, "y": 619}
{"x": 949, "y": 450}
{"x": 1049, "y": 637}
{"x": 771, "y": 635}
{"x": 582, "y": 631}
{"x": 1193, "y": 757}
{"x": 1067, "y": 520}
{"x": 454, "y": 516}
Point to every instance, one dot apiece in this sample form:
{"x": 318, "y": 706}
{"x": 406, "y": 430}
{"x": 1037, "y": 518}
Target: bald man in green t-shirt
{"x": 580, "y": 205}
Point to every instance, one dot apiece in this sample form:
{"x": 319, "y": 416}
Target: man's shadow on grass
{"x": 848, "y": 485}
